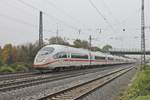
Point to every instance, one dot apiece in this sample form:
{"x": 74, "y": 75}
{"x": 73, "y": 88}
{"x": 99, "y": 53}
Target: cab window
{"x": 60, "y": 55}
{"x": 46, "y": 51}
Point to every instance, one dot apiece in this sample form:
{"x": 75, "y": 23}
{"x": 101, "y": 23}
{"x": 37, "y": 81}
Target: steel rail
{"x": 17, "y": 76}
{"x": 27, "y": 83}
{"x": 30, "y": 74}
{"x": 80, "y": 90}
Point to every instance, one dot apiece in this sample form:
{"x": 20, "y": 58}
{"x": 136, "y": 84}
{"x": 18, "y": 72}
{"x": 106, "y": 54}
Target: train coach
{"x": 53, "y": 57}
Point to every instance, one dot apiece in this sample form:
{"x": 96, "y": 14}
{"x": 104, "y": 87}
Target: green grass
{"x": 13, "y": 68}
{"x": 6, "y": 69}
{"x": 143, "y": 98}
{"x": 140, "y": 87}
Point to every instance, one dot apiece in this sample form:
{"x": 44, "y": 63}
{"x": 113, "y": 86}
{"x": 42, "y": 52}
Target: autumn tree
{"x": 18, "y": 58}
{"x": 26, "y": 53}
{"x": 8, "y": 54}
{"x": 14, "y": 53}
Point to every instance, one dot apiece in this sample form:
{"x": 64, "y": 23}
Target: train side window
{"x": 91, "y": 57}
{"x": 81, "y": 56}
{"x": 63, "y": 55}
{"x": 109, "y": 58}
{"x": 99, "y": 58}
{"x": 60, "y": 55}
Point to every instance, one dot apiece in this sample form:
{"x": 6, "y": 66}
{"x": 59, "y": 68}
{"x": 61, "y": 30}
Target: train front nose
{"x": 42, "y": 58}
{"x": 39, "y": 62}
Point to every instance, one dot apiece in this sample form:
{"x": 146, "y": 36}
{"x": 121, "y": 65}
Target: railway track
{"x": 35, "y": 80}
{"x": 16, "y": 76}
{"x": 78, "y": 91}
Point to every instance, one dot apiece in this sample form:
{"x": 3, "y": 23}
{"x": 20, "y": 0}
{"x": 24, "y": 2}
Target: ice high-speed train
{"x": 59, "y": 56}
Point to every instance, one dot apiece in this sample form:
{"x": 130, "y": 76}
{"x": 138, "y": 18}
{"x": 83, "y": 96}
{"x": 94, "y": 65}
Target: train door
{"x": 106, "y": 57}
{"x": 91, "y": 58}
{"x": 68, "y": 58}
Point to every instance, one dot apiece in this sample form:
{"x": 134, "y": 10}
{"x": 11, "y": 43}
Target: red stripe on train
{"x": 79, "y": 60}
{"x": 39, "y": 65}
{"x": 84, "y": 60}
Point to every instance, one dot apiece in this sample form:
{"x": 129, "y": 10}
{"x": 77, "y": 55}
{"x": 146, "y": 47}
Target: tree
{"x": 1, "y": 63}
{"x": 77, "y": 43}
{"x": 81, "y": 44}
{"x": 106, "y": 48}
{"x": 95, "y": 48}
{"x": 0, "y": 49}
{"x": 85, "y": 44}
{"x": 14, "y": 53}
{"x": 6, "y": 54}
{"x": 57, "y": 40}
{"x": 26, "y": 53}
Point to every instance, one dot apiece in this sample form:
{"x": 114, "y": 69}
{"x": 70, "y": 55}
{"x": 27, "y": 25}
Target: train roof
{"x": 58, "y": 47}
{"x": 67, "y": 48}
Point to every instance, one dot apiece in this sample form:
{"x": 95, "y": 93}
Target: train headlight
{"x": 40, "y": 60}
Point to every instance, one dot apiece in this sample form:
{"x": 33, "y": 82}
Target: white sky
{"x": 19, "y": 21}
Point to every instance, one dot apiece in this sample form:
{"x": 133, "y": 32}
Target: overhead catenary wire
{"x": 29, "y": 5}
{"x": 17, "y": 20}
{"x": 133, "y": 12}
{"x": 79, "y": 30}
{"x": 51, "y": 16}
{"x": 48, "y": 14}
{"x": 110, "y": 12}
{"x": 66, "y": 24}
{"x": 16, "y": 7}
{"x": 120, "y": 23}
{"x": 22, "y": 22}
{"x": 64, "y": 12}
{"x": 99, "y": 12}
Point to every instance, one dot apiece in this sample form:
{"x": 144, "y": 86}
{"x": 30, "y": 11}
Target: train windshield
{"x": 46, "y": 51}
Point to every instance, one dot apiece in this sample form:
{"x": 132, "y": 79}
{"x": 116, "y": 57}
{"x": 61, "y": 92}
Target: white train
{"x": 59, "y": 56}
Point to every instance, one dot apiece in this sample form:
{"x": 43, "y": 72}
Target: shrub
{"x": 146, "y": 67}
{"x": 1, "y": 63}
{"x": 6, "y": 69}
{"x": 21, "y": 68}
{"x": 140, "y": 86}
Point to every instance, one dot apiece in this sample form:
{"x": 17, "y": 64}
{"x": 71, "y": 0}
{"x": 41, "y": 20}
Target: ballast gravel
{"x": 42, "y": 90}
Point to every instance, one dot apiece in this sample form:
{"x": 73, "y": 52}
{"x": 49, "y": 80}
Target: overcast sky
{"x": 19, "y": 21}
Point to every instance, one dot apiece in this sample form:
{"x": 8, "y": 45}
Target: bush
{"x": 13, "y": 68}
{"x": 14, "y": 65}
{"x": 21, "y": 68}
{"x": 140, "y": 86}
{"x": 6, "y": 69}
{"x": 1, "y": 63}
{"x": 146, "y": 67}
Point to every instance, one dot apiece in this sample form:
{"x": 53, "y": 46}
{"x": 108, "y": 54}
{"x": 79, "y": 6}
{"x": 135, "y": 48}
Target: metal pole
{"x": 57, "y": 31}
{"x": 41, "y": 29}
{"x": 90, "y": 41}
{"x": 142, "y": 35}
